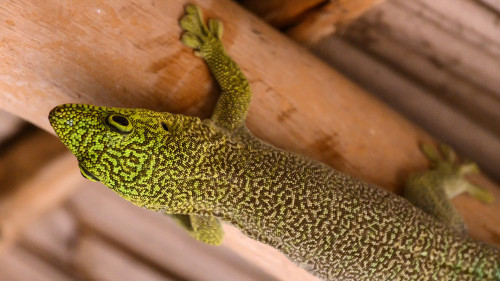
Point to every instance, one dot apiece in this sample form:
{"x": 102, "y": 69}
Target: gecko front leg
{"x": 231, "y": 107}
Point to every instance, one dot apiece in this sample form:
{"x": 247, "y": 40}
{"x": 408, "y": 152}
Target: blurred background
{"x": 437, "y": 62}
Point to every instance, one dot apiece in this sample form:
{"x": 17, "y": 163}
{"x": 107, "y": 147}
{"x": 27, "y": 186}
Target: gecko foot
{"x": 445, "y": 160}
{"x": 202, "y": 38}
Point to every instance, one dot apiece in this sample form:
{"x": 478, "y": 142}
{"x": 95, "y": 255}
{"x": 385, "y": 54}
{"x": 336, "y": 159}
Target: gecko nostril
{"x": 55, "y": 111}
{"x": 164, "y": 126}
{"x": 55, "y": 114}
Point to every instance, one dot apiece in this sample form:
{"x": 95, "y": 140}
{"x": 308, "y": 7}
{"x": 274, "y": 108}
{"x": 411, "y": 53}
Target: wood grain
{"x": 442, "y": 54}
{"x": 440, "y": 118}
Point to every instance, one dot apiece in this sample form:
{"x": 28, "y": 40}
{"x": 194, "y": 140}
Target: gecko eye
{"x": 119, "y": 123}
{"x": 86, "y": 174}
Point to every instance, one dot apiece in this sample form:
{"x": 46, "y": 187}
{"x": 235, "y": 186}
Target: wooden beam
{"x": 99, "y": 260}
{"x": 18, "y": 264}
{"x": 23, "y": 156}
{"x": 494, "y": 5}
{"x": 309, "y": 21}
{"x": 37, "y": 196}
{"x": 281, "y": 13}
{"x": 53, "y": 238}
{"x": 127, "y": 53}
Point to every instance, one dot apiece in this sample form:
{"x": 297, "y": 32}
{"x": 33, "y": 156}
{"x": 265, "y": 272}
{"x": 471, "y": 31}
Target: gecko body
{"x": 203, "y": 171}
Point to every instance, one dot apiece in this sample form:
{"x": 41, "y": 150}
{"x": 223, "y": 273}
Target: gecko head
{"x": 120, "y": 147}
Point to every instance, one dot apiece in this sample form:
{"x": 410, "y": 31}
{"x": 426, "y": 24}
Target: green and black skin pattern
{"x": 203, "y": 171}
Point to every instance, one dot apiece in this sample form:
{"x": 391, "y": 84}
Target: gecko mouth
{"x": 86, "y": 174}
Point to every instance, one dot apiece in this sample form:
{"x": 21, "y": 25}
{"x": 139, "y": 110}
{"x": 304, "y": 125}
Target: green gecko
{"x": 204, "y": 171}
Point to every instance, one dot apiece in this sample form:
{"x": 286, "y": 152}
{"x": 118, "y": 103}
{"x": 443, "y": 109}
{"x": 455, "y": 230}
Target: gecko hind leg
{"x": 432, "y": 190}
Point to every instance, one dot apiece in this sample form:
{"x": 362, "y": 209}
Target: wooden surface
{"x": 126, "y": 53}
{"x": 457, "y": 53}
{"x": 492, "y": 4}
{"x": 21, "y": 265}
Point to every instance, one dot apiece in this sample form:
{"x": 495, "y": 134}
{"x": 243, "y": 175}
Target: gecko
{"x": 202, "y": 172}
